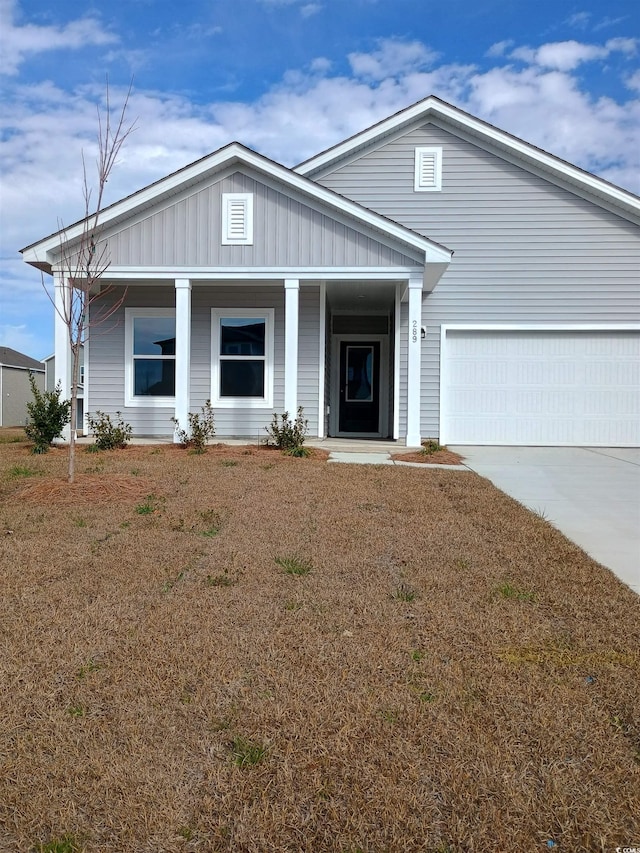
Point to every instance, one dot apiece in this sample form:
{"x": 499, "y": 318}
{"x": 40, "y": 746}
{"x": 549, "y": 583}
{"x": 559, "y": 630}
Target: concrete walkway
{"x": 378, "y": 457}
{"x": 592, "y": 495}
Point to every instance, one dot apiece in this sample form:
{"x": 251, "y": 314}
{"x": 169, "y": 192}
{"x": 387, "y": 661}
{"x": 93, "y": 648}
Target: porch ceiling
{"x": 361, "y": 295}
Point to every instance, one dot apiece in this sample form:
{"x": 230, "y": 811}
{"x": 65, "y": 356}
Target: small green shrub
{"x": 287, "y": 434}
{"x": 431, "y": 445}
{"x": 201, "y": 428}
{"x": 109, "y": 435}
{"x": 48, "y": 416}
{"x": 294, "y": 565}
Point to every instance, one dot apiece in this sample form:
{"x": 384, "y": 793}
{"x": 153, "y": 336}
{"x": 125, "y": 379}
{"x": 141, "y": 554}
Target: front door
{"x": 359, "y": 409}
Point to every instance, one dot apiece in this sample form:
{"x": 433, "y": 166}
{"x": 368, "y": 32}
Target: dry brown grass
{"x": 451, "y": 675}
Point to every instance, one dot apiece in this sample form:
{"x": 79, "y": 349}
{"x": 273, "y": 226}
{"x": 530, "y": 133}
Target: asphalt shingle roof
{"x": 12, "y": 358}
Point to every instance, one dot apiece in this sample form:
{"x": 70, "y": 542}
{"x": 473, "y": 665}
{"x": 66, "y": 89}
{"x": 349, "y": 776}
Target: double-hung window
{"x": 242, "y": 357}
{"x": 150, "y": 344}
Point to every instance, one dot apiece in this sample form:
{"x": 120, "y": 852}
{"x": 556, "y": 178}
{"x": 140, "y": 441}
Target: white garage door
{"x": 540, "y": 387}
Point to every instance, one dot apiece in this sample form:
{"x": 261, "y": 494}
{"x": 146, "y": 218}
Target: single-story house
{"x": 15, "y": 390}
{"x": 432, "y": 276}
{"x": 50, "y": 383}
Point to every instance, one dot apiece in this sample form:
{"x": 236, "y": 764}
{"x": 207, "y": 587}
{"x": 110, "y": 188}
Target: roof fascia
{"x": 434, "y": 108}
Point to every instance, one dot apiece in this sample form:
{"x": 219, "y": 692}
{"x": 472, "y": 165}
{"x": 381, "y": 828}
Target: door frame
{"x": 383, "y": 390}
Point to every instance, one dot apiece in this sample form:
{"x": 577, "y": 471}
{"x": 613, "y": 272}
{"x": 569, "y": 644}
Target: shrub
{"x": 48, "y": 416}
{"x": 431, "y": 445}
{"x": 201, "y": 429}
{"x": 287, "y": 434}
{"x": 109, "y": 435}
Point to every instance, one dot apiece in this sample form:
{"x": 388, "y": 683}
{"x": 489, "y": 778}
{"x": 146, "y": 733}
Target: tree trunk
{"x": 75, "y": 351}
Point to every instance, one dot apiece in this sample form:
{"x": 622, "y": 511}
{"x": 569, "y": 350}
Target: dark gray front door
{"x": 359, "y": 387}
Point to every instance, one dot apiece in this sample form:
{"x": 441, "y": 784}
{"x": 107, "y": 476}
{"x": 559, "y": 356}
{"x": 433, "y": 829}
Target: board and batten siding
{"x": 525, "y": 249}
{"x": 286, "y": 233}
{"x": 107, "y": 357}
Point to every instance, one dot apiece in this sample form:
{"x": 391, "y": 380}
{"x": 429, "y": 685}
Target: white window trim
{"x": 266, "y": 402}
{"x": 228, "y": 239}
{"x": 436, "y": 153}
{"x": 130, "y": 315}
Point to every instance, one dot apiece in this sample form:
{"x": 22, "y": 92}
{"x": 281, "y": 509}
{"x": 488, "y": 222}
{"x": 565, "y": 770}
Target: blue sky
{"x": 287, "y": 78}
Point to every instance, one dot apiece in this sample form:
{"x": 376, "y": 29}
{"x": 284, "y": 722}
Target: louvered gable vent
{"x": 428, "y": 169}
{"x": 237, "y": 219}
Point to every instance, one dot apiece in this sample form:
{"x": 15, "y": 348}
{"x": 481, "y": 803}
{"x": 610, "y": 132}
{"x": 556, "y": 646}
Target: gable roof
{"x": 42, "y": 254}
{"x": 432, "y": 108}
{"x": 12, "y": 358}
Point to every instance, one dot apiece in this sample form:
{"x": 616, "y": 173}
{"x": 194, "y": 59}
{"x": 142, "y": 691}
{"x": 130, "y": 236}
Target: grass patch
{"x": 507, "y": 590}
{"x": 294, "y": 565}
{"x": 368, "y": 706}
{"x": 21, "y": 471}
{"x": 224, "y": 579}
{"x": 247, "y": 753}
{"x": 403, "y": 592}
{"x": 149, "y": 506}
{"x": 65, "y": 844}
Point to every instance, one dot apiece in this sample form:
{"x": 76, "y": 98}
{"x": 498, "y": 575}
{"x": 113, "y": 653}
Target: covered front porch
{"x": 345, "y": 349}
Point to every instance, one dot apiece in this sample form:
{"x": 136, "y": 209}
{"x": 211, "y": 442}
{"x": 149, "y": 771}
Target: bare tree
{"x": 85, "y": 259}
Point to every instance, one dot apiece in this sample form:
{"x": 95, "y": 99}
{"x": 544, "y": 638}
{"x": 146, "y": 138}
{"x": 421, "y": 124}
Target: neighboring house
{"x": 431, "y": 276}
{"x": 50, "y": 384}
{"x": 15, "y": 390}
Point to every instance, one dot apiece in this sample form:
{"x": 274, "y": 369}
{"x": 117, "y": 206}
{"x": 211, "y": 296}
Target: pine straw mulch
{"x": 439, "y": 457}
{"x": 451, "y": 674}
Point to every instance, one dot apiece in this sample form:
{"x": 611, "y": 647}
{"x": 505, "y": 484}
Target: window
{"x": 237, "y": 219}
{"x": 150, "y": 343}
{"x": 242, "y": 357}
{"x": 428, "y": 169}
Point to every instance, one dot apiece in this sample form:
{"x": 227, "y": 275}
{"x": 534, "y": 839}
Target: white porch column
{"x": 61, "y": 301}
{"x": 413, "y": 362}
{"x": 291, "y": 293}
{"x": 183, "y": 353}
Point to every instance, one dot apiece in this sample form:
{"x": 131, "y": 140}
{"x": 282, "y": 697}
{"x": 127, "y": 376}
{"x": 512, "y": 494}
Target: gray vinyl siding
{"x": 525, "y": 249}
{"x": 107, "y": 357}
{"x": 287, "y": 233}
{"x": 15, "y": 392}
{"x": 107, "y": 363}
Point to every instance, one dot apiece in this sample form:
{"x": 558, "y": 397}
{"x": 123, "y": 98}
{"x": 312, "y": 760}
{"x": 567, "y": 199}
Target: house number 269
{"x": 414, "y": 332}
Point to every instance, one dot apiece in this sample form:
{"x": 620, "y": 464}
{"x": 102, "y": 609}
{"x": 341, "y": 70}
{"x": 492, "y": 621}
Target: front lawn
{"x": 245, "y": 652}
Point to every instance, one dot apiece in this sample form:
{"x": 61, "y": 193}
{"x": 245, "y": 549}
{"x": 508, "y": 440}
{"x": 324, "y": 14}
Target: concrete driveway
{"x": 592, "y": 495}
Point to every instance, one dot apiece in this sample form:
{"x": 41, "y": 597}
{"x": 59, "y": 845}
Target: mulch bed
{"x": 440, "y": 457}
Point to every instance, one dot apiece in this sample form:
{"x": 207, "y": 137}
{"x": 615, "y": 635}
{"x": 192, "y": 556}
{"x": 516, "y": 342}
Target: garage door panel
{"x": 569, "y": 387}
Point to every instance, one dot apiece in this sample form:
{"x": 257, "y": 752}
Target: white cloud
{"x": 321, "y": 65}
{"x": 310, "y": 9}
{"x": 633, "y": 81}
{"x": 567, "y": 55}
{"x": 579, "y": 19}
{"x": 20, "y": 42}
{"x": 499, "y": 48}
{"x": 392, "y": 58}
